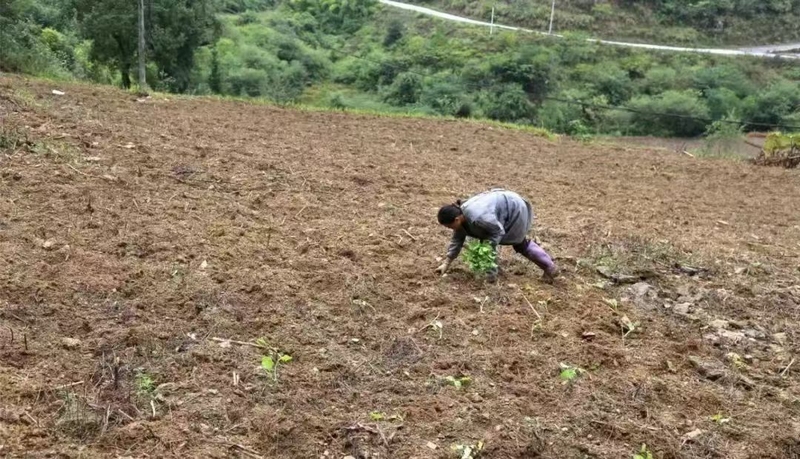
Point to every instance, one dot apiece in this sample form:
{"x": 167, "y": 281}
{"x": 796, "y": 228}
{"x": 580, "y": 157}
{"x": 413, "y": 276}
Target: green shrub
{"x": 405, "y": 90}
{"x": 672, "y": 113}
{"x": 508, "y": 103}
{"x": 446, "y": 96}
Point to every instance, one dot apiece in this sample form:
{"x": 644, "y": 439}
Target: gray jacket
{"x": 498, "y": 216}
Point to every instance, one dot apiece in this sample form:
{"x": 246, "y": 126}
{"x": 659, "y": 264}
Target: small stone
{"x": 70, "y": 343}
{"x": 475, "y": 398}
{"x": 733, "y": 358}
{"x": 48, "y": 244}
{"x": 737, "y": 324}
{"x": 692, "y": 435}
{"x": 755, "y": 334}
{"x": 776, "y": 349}
{"x": 671, "y": 367}
{"x": 430, "y": 445}
{"x": 682, "y": 308}
{"x": 588, "y": 336}
{"x": 731, "y": 336}
{"x": 779, "y": 338}
{"x": 718, "y": 324}
{"x": 746, "y": 382}
{"x": 708, "y": 370}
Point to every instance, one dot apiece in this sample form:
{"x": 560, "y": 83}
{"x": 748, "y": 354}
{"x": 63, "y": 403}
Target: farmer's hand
{"x": 442, "y": 269}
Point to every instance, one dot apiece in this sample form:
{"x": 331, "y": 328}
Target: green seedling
{"x": 271, "y": 362}
{"x": 468, "y": 451}
{"x": 458, "y": 381}
{"x": 145, "y": 384}
{"x": 644, "y": 453}
{"x": 435, "y": 325}
{"x": 628, "y": 326}
{"x": 569, "y": 373}
{"x": 381, "y": 416}
{"x": 612, "y": 303}
{"x": 720, "y": 419}
{"x": 480, "y": 257}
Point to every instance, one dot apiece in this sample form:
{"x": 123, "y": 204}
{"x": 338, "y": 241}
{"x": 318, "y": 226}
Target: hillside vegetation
{"x": 357, "y": 55}
{"x": 684, "y": 22}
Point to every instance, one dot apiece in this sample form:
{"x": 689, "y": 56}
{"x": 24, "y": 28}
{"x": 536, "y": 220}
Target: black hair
{"x": 449, "y": 213}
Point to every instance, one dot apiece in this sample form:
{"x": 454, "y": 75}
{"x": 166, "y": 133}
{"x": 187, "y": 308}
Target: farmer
{"x": 500, "y": 217}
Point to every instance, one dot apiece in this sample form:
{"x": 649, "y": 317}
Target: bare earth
{"x": 134, "y": 233}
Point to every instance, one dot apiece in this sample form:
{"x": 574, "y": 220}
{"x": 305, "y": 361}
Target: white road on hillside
{"x": 771, "y": 51}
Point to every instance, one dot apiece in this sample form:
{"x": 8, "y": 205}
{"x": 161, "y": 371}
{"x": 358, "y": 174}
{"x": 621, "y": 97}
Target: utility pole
{"x": 552, "y": 13}
{"x": 142, "y": 73}
{"x": 491, "y": 29}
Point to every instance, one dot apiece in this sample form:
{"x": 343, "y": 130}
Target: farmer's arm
{"x": 492, "y": 227}
{"x": 456, "y": 242}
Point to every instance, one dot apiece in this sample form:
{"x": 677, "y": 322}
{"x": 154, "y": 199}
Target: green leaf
{"x": 720, "y": 419}
{"x": 644, "y": 453}
{"x": 285, "y": 358}
{"x": 612, "y": 302}
{"x": 267, "y": 363}
{"x": 568, "y": 374}
{"x": 480, "y": 256}
{"x": 377, "y": 416}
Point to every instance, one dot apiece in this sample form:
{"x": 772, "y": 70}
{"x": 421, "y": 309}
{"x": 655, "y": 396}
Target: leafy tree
{"x": 111, "y": 25}
{"x": 672, "y": 113}
{"x": 175, "y": 30}
{"x": 337, "y": 16}
{"x": 215, "y": 77}
{"x": 405, "y": 89}
{"x": 393, "y": 34}
{"x": 773, "y": 104}
{"x": 446, "y": 96}
{"x": 508, "y": 102}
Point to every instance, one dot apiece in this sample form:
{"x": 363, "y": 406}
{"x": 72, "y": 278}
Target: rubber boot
{"x": 539, "y": 257}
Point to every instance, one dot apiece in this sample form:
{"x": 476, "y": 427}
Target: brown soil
{"x": 133, "y": 233}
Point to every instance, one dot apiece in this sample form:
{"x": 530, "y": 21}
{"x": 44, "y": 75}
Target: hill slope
{"x": 137, "y": 236}
{"x": 719, "y": 22}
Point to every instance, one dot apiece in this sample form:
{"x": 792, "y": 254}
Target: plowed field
{"x": 153, "y": 251}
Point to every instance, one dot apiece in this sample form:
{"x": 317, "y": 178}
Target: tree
{"x": 215, "y": 78}
{"x": 672, "y": 113}
{"x": 508, "y": 102}
{"x": 405, "y": 90}
{"x": 112, "y": 27}
{"x": 393, "y": 34}
{"x": 176, "y": 28}
{"x": 337, "y": 16}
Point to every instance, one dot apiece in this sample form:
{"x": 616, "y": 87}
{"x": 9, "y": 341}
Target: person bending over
{"x": 499, "y": 216}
